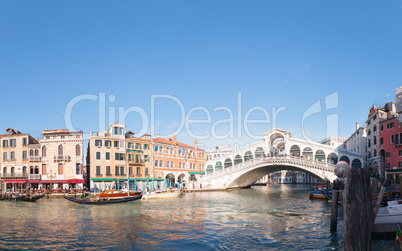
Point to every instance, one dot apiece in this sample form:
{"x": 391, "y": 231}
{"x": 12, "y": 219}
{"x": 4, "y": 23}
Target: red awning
{"x": 14, "y": 181}
{"x": 53, "y": 181}
{"x": 33, "y": 181}
{"x": 76, "y": 181}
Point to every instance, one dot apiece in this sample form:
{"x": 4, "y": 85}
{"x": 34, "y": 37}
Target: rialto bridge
{"x": 278, "y": 151}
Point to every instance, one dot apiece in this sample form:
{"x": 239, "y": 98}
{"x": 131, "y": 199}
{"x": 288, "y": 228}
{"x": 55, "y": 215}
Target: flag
{"x": 398, "y": 235}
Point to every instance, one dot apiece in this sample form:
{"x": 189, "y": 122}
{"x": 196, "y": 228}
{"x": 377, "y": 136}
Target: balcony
{"x": 136, "y": 162}
{"x": 398, "y": 143}
{"x": 35, "y": 176}
{"x": 14, "y": 175}
{"x": 35, "y": 159}
{"x": 62, "y": 158}
{"x": 99, "y": 175}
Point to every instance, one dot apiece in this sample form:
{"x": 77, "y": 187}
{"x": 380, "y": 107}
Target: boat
{"x": 390, "y": 214}
{"x": 109, "y": 200}
{"x": 161, "y": 195}
{"x": 115, "y": 194}
{"x": 15, "y": 197}
{"x": 32, "y": 198}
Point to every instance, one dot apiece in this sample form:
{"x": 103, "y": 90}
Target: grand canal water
{"x": 277, "y": 217}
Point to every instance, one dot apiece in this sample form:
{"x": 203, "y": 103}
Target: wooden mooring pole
{"x": 357, "y": 210}
{"x": 334, "y": 206}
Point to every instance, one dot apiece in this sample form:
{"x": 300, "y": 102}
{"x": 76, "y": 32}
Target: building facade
{"x": 375, "y": 117}
{"x": 61, "y": 159}
{"x": 178, "y": 162}
{"x": 391, "y": 147}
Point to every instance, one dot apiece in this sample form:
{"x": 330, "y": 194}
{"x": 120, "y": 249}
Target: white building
{"x": 357, "y": 142}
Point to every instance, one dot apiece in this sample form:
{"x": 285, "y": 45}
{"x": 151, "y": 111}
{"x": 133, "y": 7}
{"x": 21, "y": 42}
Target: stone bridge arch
{"x": 253, "y": 175}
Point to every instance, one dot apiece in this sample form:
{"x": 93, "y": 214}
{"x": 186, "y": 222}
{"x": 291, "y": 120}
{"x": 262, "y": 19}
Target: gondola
{"x": 32, "y": 198}
{"x": 103, "y": 201}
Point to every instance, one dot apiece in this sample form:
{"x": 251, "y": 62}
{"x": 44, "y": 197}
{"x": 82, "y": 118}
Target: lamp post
{"x": 51, "y": 177}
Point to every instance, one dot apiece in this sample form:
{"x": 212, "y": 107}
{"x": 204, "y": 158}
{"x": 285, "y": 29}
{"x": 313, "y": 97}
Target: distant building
{"x": 357, "y": 142}
{"x": 332, "y": 141}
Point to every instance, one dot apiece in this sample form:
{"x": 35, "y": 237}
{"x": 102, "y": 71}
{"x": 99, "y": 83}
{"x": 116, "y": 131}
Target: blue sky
{"x": 275, "y": 53}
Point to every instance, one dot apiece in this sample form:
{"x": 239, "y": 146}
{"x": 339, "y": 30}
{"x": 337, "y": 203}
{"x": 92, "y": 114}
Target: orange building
{"x": 178, "y": 162}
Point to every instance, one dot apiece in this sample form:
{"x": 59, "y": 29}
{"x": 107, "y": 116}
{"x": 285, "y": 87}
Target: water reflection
{"x": 278, "y": 217}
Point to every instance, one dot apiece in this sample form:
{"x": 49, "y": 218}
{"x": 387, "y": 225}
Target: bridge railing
{"x": 315, "y": 163}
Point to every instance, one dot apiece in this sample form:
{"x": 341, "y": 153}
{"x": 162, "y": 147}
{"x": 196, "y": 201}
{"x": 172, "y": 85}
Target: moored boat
{"x": 107, "y": 200}
{"x": 161, "y": 195}
{"x": 31, "y": 198}
{"x": 390, "y": 214}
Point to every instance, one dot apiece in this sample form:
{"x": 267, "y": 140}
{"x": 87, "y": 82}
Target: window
{"x": 77, "y": 150}
{"x": 382, "y": 127}
{"x": 24, "y": 141}
{"x": 116, "y": 130}
{"x": 4, "y": 156}
{"x": 391, "y": 125}
{"x": 44, "y": 151}
{"x": 107, "y": 156}
{"x": 388, "y": 154}
{"x": 369, "y": 155}
{"x": 375, "y": 117}
{"x": 156, "y": 162}
{"x": 392, "y": 139}
{"x": 63, "y": 136}
{"x": 160, "y": 163}
{"x": 146, "y": 171}
{"x": 119, "y": 156}
{"x": 130, "y": 145}
{"x": 122, "y": 170}
{"x": 61, "y": 169}
{"x": 387, "y": 125}
{"x": 108, "y": 143}
{"x": 167, "y": 163}
{"x": 369, "y": 132}
{"x": 399, "y": 164}
{"x": 375, "y": 140}
{"x": 116, "y": 144}
{"x": 44, "y": 169}
{"x": 78, "y": 169}
{"x": 60, "y": 150}
{"x": 98, "y": 170}
{"x": 98, "y": 143}
{"x": 375, "y": 153}
{"x": 5, "y": 143}
{"x": 382, "y": 141}
{"x": 13, "y": 142}
{"x": 116, "y": 170}
{"x": 138, "y": 170}
{"x": 24, "y": 155}
{"x": 171, "y": 164}
{"x": 98, "y": 155}
{"x": 121, "y": 131}
{"x": 138, "y": 158}
{"x": 108, "y": 171}
{"x": 375, "y": 128}
{"x": 400, "y": 153}
{"x": 146, "y": 147}
{"x": 146, "y": 158}
{"x": 12, "y": 155}
{"x": 369, "y": 143}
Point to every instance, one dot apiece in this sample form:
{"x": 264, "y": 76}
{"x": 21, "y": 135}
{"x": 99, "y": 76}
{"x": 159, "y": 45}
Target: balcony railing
{"x": 14, "y": 175}
{"x": 35, "y": 158}
{"x": 62, "y": 158}
{"x": 35, "y": 176}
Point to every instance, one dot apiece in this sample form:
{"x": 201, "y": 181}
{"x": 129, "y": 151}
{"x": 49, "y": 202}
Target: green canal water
{"x": 277, "y": 217}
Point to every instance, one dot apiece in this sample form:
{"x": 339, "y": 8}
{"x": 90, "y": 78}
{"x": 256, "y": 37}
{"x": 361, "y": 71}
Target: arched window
{"x": 375, "y": 153}
{"x": 60, "y": 150}
{"x": 5, "y": 170}
{"x": 36, "y": 152}
{"x": 77, "y": 150}
{"x": 31, "y": 152}
{"x": 43, "y": 151}
{"x": 375, "y": 140}
{"x": 12, "y": 170}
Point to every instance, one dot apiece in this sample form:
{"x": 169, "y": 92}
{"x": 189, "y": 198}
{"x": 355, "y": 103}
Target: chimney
{"x": 195, "y": 144}
{"x": 174, "y": 139}
{"x": 357, "y": 126}
{"x": 46, "y": 128}
{"x": 157, "y": 136}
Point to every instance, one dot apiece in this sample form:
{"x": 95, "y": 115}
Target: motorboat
{"x": 161, "y": 194}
